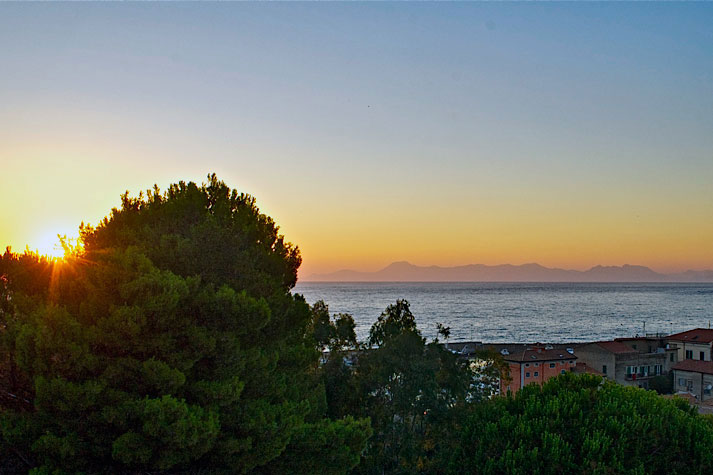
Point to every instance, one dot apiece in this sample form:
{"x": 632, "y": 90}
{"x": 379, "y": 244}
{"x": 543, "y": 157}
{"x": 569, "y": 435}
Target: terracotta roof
{"x": 695, "y": 366}
{"x": 583, "y": 368}
{"x": 539, "y": 354}
{"x": 697, "y": 335}
{"x": 639, "y": 338}
{"x": 616, "y": 347}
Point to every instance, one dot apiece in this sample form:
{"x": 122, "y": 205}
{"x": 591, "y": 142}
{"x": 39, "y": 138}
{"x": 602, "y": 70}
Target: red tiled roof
{"x": 583, "y": 368}
{"x": 695, "y": 366}
{"x": 697, "y": 335}
{"x": 539, "y": 354}
{"x": 616, "y": 347}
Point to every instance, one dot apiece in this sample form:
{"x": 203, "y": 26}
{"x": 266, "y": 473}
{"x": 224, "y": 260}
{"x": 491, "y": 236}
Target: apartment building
{"x": 535, "y": 365}
{"x": 694, "y": 377}
{"x": 696, "y": 344}
{"x": 629, "y": 361}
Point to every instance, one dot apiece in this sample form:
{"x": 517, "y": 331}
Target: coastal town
{"x": 356, "y": 238}
{"x": 679, "y": 364}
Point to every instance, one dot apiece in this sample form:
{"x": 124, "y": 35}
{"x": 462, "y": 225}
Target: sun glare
{"x": 48, "y": 244}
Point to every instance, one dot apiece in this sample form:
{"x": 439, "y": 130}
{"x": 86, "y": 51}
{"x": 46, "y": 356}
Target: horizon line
{"x": 531, "y": 263}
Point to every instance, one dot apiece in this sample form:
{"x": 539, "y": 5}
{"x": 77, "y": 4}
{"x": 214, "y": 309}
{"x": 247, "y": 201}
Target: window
{"x": 527, "y": 375}
{"x": 604, "y": 369}
{"x": 689, "y": 354}
{"x": 527, "y": 365}
{"x": 563, "y": 371}
{"x": 536, "y": 365}
{"x": 561, "y": 363}
{"x": 636, "y": 370}
{"x": 537, "y": 373}
{"x": 671, "y": 358}
{"x": 658, "y": 369}
{"x": 703, "y": 356}
{"x": 633, "y": 346}
{"x": 681, "y": 382}
{"x": 552, "y": 365}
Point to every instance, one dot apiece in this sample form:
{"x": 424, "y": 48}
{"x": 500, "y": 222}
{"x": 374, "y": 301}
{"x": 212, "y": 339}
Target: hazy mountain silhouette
{"x": 406, "y": 272}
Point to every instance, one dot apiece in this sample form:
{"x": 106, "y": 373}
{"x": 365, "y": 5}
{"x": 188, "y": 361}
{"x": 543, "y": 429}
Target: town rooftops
{"x": 695, "y": 366}
{"x": 651, "y": 337}
{"x": 582, "y": 368}
{"x": 616, "y": 347}
{"x": 698, "y": 335}
{"x": 539, "y": 354}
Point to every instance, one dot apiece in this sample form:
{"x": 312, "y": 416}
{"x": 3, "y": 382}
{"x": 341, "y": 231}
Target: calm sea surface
{"x": 525, "y": 312}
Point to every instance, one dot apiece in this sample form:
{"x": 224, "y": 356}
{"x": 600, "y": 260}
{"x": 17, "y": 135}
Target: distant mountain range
{"x": 407, "y": 272}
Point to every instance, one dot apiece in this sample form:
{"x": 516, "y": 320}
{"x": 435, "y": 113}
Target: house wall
{"x": 649, "y": 360}
{"x": 642, "y": 345}
{"x": 671, "y": 359}
{"x": 514, "y": 384}
{"x": 694, "y": 383}
{"x": 695, "y": 348}
{"x": 550, "y": 371}
{"x": 597, "y": 358}
{"x": 545, "y": 370}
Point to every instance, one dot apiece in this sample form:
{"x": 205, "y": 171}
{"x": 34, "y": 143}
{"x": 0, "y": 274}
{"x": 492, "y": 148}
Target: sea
{"x": 525, "y": 312}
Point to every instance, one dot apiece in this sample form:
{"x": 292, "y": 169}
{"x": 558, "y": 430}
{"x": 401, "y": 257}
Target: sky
{"x": 570, "y": 135}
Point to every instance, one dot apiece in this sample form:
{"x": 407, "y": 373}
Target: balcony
{"x": 640, "y": 376}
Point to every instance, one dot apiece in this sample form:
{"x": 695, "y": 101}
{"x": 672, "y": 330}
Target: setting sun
{"x": 48, "y": 244}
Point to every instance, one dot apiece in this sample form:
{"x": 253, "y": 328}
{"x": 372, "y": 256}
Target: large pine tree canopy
{"x": 168, "y": 341}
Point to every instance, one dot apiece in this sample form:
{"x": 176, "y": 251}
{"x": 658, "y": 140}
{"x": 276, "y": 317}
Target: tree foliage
{"x": 577, "y": 424}
{"x": 662, "y": 384}
{"x": 411, "y": 389}
{"x": 171, "y": 341}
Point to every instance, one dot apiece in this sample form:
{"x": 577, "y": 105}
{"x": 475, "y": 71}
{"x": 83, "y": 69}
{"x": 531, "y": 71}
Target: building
{"x": 582, "y": 368}
{"x": 535, "y": 365}
{"x": 696, "y": 344}
{"x": 694, "y": 377}
{"x": 627, "y": 361}
{"x": 653, "y": 344}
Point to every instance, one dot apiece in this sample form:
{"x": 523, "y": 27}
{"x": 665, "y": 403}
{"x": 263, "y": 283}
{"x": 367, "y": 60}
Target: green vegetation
{"x": 410, "y": 389}
{"x": 169, "y": 342}
{"x": 577, "y": 424}
{"x": 662, "y": 384}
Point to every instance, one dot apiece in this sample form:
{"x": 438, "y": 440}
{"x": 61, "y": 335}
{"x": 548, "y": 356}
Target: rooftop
{"x": 616, "y": 347}
{"x": 539, "y": 354}
{"x": 697, "y": 335}
{"x": 581, "y": 368}
{"x": 695, "y": 366}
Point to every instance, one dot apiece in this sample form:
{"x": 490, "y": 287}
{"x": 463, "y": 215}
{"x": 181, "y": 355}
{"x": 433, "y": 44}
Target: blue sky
{"x": 440, "y": 133}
